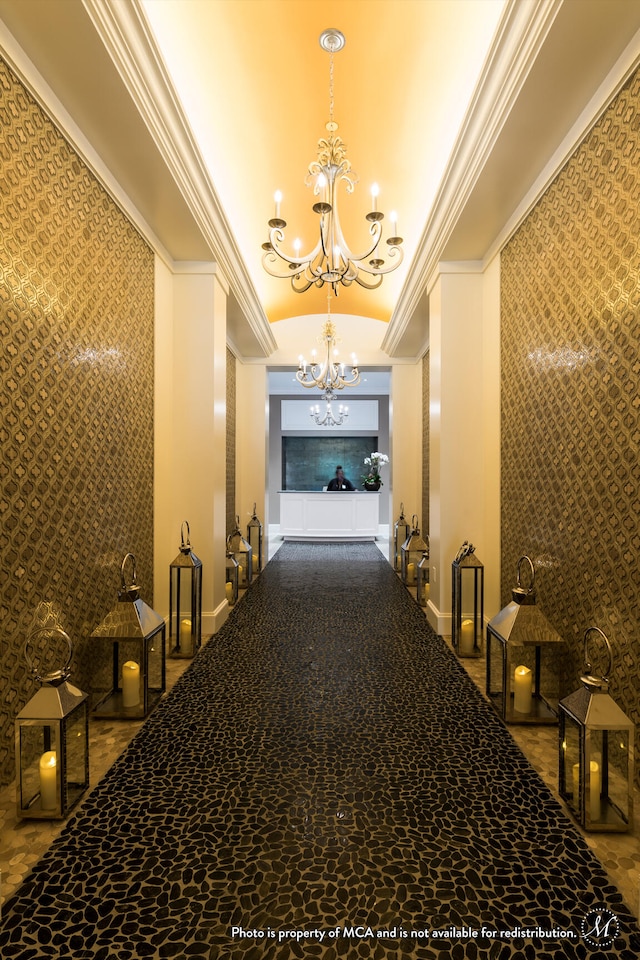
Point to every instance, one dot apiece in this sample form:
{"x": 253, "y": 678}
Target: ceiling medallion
{"x": 331, "y": 261}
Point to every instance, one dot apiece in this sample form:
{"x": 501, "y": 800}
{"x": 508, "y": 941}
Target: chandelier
{"x": 329, "y": 419}
{"x": 331, "y": 261}
{"x": 327, "y": 372}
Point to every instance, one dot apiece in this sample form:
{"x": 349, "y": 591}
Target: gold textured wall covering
{"x": 76, "y": 396}
{"x": 571, "y": 395}
{"x": 233, "y": 509}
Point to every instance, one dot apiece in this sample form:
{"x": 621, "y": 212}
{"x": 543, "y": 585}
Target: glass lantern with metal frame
{"x": 185, "y": 600}
{"x": 254, "y": 537}
{"x": 52, "y": 740}
{"x": 467, "y": 602}
{"x": 596, "y": 746}
{"x": 411, "y": 553}
{"x": 241, "y": 549}
{"x": 231, "y": 575}
{"x": 422, "y": 580}
{"x": 130, "y": 656}
{"x": 401, "y": 531}
{"x": 525, "y": 658}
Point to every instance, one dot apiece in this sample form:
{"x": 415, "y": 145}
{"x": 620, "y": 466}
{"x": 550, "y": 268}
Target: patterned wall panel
{"x": 76, "y": 397}
{"x": 233, "y": 509}
{"x": 424, "y": 519}
{"x": 571, "y": 395}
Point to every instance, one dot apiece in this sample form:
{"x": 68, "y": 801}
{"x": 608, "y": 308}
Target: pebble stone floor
{"x": 324, "y": 780}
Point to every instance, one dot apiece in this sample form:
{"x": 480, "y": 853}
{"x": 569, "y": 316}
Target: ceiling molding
{"x": 124, "y": 30}
{"x": 520, "y": 35}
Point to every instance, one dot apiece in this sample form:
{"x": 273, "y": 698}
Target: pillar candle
{"x": 467, "y": 636}
{"x": 185, "y": 635}
{"x": 426, "y": 591}
{"x": 228, "y": 587}
{"x": 595, "y": 786}
{"x": 411, "y": 572}
{"x": 240, "y": 572}
{"x": 522, "y": 686}
{"x": 49, "y": 780}
{"x": 130, "y": 684}
{"x": 254, "y": 563}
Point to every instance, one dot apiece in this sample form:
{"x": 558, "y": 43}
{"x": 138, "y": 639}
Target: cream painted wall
{"x": 405, "y": 430}
{"x": 464, "y": 429}
{"x": 190, "y": 419}
{"x": 252, "y": 439}
{"x": 165, "y": 541}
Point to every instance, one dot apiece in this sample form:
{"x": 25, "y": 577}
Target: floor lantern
{"x": 411, "y": 553}
{"x": 467, "y": 602}
{"x": 525, "y": 658}
{"x": 254, "y": 536}
{"x": 241, "y": 549}
{"x": 129, "y": 658}
{"x": 422, "y": 580}
{"x": 52, "y": 740}
{"x": 185, "y": 600}
{"x": 401, "y": 531}
{"x": 596, "y": 752}
{"x": 231, "y": 585}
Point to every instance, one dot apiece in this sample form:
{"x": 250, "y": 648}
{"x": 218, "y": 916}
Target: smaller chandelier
{"x": 327, "y": 373}
{"x": 331, "y": 261}
{"x": 329, "y": 419}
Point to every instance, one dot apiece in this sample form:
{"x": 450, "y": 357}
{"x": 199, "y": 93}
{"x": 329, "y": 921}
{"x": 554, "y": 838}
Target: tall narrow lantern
{"x": 241, "y": 549}
{"x": 411, "y": 554}
{"x": 52, "y": 740}
{"x": 422, "y": 580}
{"x": 467, "y": 602}
{"x": 401, "y": 531}
{"x": 596, "y": 752}
{"x": 525, "y": 658}
{"x": 185, "y": 600}
{"x": 129, "y": 657}
{"x": 254, "y": 536}
{"x": 231, "y": 577}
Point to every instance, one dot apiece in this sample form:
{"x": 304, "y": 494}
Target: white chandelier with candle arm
{"x": 331, "y": 261}
{"x": 328, "y": 372}
{"x": 328, "y": 418}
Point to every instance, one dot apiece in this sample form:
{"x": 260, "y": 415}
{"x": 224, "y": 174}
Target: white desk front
{"x": 329, "y": 515}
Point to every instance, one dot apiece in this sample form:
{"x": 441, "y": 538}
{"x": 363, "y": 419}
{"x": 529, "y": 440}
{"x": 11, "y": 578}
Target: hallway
{"x": 324, "y": 763}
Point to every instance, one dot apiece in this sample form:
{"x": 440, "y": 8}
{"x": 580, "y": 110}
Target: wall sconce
{"x": 52, "y": 741}
{"x": 401, "y": 531}
{"x": 185, "y": 600}
{"x": 596, "y": 752}
{"x": 411, "y": 553}
{"x": 525, "y": 658}
{"x": 467, "y": 602}
{"x": 129, "y": 677}
{"x": 254, "y": 536}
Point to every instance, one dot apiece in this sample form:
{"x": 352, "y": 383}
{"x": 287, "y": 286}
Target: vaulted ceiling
{"x": 193, "y": 112}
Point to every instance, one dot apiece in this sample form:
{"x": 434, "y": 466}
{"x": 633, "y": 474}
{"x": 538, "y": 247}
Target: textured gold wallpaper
{"x": 571, "y": 395}
{"x": 76, "y": 396}
{"x": 424, "y": 519}
{"x": 233, "y": 509}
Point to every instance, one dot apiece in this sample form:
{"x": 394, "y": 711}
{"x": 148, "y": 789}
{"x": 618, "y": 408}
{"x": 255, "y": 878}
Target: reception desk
{"x": 337, "y": 515}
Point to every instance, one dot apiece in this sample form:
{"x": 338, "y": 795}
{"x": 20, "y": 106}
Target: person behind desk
{"x": 340, "y": 482}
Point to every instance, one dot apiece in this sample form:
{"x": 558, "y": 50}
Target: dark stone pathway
{"x": 324, "y": 781}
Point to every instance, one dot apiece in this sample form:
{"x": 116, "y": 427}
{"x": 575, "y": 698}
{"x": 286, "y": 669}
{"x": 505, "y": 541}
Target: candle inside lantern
{"x": 426, "y": 591}
{"x": 185, "y": 635}
{"x": 522, "y": 686}
{"x": 254, "y": 563}
{"x": 240, "y": 573}
{"x": 595, "y": 787}
{"x": 411, "y": 572}
{"x": 49, "y": 780}
{"x": 228, "y": 589}
{"x": 467, "y": 636}
{"x": 130, "y": 684}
